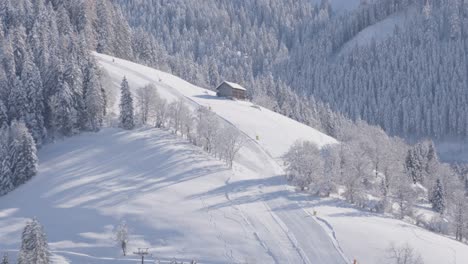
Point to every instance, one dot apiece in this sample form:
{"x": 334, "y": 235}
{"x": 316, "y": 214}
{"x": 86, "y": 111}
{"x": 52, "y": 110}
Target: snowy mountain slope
{"x": 276, "y": 132}
{"x": 258, "y": 176}
{"x": 257, "y": 179}
{"x": 367, "y": 236}
{"x": 89, "y": 182}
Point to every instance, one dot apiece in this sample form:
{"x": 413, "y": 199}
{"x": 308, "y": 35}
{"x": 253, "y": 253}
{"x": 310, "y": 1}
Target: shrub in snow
{"x": 438, "y": 224}
{"x": 370, "y": 203}
{"x": 403, "y": 254}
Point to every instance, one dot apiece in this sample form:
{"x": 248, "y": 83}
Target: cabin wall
{"x": 224, "y": 90}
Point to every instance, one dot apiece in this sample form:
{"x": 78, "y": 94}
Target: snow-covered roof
{"x": 234, "y": 86}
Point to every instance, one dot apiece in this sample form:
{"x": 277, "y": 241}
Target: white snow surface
{"x": 235, "y": 85}
{"x": 180, "y": 202}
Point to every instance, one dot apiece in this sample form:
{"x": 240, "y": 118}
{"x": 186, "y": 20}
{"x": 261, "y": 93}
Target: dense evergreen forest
{"x": 412, "y": 84}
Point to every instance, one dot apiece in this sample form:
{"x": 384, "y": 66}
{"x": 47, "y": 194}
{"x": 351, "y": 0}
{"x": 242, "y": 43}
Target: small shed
{"x": 230, "y": 90}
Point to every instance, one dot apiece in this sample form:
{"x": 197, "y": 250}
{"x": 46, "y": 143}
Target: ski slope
{"x": 350, "y": 233}
{"x": 286, "y": 231}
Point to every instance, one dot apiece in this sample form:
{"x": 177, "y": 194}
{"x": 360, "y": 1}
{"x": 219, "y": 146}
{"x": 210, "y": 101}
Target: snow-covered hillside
{"x": 276, "y": 134}
{"x": 181, "y": 203}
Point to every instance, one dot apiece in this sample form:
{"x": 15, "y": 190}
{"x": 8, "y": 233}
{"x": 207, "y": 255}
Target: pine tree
{"x": 23, "y": 153}
{"x": 34, "y": 107}
{"x": 459, "y": 215}
{"x": 432, "y": 160}
{"x": 94, "y": 100}
{"x": 3, "y": 114}
{"x": 126, "y": 106}
{"x": 6, "y": 181}
{"x": 438, "y": 197}
{"x": 62, "y": 113}
{"x": 34, "y": 247}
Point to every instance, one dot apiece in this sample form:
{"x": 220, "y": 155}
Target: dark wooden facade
{"x": 230, "y": 90}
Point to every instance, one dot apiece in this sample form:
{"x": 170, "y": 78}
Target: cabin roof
{"x": 233, "y": 86}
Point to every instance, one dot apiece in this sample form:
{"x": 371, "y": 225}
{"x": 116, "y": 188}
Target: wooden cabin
{"x": 231, "y": 90}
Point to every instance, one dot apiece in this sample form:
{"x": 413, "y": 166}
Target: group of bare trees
{"x": 200, "y": 126}
{"x": 383, "y": 174}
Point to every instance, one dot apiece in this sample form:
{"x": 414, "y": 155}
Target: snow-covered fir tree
{"x": 34, "y": 247}
{"x": 6, "y": 176}
{"x": 22, "y": 152}
{"x": 94, "y": 100}
{"x": 126, "y": 106}
{"x": 438, "y": 197}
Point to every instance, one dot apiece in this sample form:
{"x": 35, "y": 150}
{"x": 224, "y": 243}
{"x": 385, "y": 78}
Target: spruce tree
{"x": 438, "y": 197}
{"x": 6, "y": 183}
{"x": 23, "y": 153}
{"x": 34, "y": 108}
{"x": 126, "y": 106}
{"x": 34, "y": 247}
{"x": 3, "y": 114}
{"x": 94, "y": 100}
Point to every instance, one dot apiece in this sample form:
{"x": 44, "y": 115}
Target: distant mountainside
{"x": 412, "y": 82}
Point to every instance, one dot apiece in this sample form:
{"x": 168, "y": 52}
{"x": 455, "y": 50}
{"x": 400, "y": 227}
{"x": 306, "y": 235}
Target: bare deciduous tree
{"x": 148, "y": 99}
{"x": 121, "y": 236}
{"x": 404, "y": 254}
{"x": 230, "y": 143}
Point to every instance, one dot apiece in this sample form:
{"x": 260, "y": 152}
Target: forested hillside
{"x": 50, "y": 85}
{"x": 412, "y": 83}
